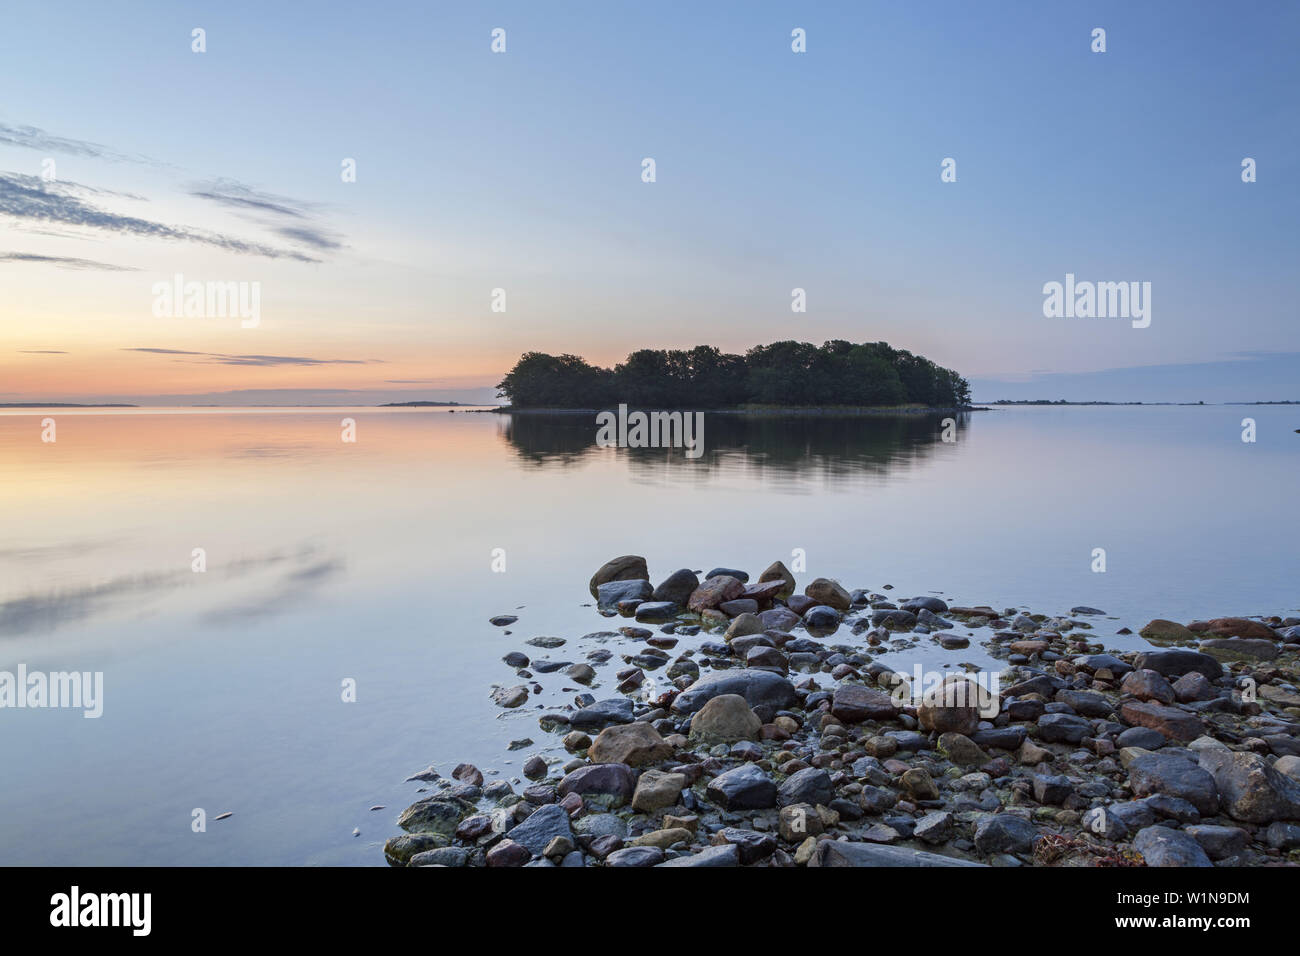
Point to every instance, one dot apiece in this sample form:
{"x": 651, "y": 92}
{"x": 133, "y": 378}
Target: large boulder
{"x": 926, "y": 602}
{"x": 439, "y": 813}
{"x": 1250, "y": 790}
{"x": 1163, "y": 846}
{"x": 402, "y": 849}
{"x": 821, "y": 618}
{"x": 778, "y": 619}
{"x": 756, "y": 686}
{"x": 1148, "y": 685}
{"x": 677, "y": 587}
{"x": 742, "y": 625}
{"x": 726, "y": 718}
{"x": 1063, "y": 728}
{"x": 1005, "y": 833}
{"x": 714, "y": 591}
{"x": 811, "y": 785}
{"x": 1241, "y": 648}
{"x": 1174, "y": 776}
{"x": 656, "y": 789}
{"x": 1240, "y": 627}
{"x": 627, "y": 568}
{"x": 1175, "y": 662}
{"x": 608, "y": 595}
{"x": 763, "y": 592}
{"x": 542, "y": 826}
{"x": 777, "y": 571}
{"x": 728, "y": 854}
{"x": 835, "y": 853}
{"x": 609, "y": 784}
{"x": 635, "y": 744}
{"x": 828, "y": 592}
{"x": 1173, "y": 723}
{"x": 854, "y": 703}
{"x": 1162, "y": 630}
{"x": 616, "y": 710}
{"x": 744, "y": 788}
{"x": 954, "y": 706}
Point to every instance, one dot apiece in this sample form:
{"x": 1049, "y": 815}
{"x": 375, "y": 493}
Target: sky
{"x": 127, "y": 159}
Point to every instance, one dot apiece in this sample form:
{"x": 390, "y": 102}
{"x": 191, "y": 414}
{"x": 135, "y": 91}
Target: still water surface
{"x": 373, "y": 561}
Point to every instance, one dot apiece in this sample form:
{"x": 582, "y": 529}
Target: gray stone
{"x": 1174, "y": 776}
{"x": 542, "y": 826}
{"x": 934, "y": 828}
{"x": 617, "y": 710}
{"x": 677, "y": 587}
{"x": 728, "y": 854}
{"x": 1241, "y": 648}
{"x": 609, "y": 784}
{"x": 1005, "y": 833}
{"x": 636, "y": 856}
{"x": 608, "y": 595}
{"x": 1175, "y": 662}
{"x": 653, "y": 612}
{"x": 744, "y": 788}
{"x": 1165, "y": 846}
{"x": 627, "y": 567}
{"x": 836, "y": 853}
{"x": 810, "y": 785}
{"x": 1250, "y": 789}
{"x": 1143, "y": 737}
{"x": 1219, "y": 842}
{"x": 1063, "y": 728}
{"x": 756, "y": 686}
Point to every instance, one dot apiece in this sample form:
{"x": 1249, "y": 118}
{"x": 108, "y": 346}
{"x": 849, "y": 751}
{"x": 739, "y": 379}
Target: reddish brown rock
{"x": 828, "y": 592}
{"x": 1240, "y": 627}
{"x": 715, "y": 591}
{"x": 635, "y": 744}
{"x": 777, "y": 571}
{"x": 855, "y": 703}
{"x": 629, "y": 567}
{"x": 1028, "y": 648}
{"x": 763, "y": 592}
{"x": 1170, "y": 721}
{"x": 1148, "y": 685}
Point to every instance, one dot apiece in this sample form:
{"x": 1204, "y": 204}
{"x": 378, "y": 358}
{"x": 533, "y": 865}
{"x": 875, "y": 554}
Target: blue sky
{"x": 775, "y": 170}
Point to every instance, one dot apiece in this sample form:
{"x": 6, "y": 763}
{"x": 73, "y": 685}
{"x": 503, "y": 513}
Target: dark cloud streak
{"x": 218, "y": 358}
{"x": 30, "y": 198}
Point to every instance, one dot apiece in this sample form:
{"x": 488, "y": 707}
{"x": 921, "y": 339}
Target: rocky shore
{"x": 744, "y": 723}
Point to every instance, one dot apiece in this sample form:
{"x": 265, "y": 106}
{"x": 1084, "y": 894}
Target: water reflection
{"x": 803, "y": 447}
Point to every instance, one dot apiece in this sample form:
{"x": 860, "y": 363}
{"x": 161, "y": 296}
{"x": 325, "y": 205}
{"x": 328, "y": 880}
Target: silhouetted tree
{"x": 786, "y": 373}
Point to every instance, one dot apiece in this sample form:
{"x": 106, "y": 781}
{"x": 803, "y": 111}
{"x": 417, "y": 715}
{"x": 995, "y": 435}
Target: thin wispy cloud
{"x": 43, "y": 352}
{"x": 219, "y": 358}
{"x": 30, "y": 199}
{"x": 317, "y": 238}
{"x": 65, "y": 262}
{"x": 32, "y": 137}
{"x": 266, "y": 208}
{"x": 236, "y": 195}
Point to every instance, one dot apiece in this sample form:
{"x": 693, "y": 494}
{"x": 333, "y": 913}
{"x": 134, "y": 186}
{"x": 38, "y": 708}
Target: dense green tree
{"x": 786, "y": 373}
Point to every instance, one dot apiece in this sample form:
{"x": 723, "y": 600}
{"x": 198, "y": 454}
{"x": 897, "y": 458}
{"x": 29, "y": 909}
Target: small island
{"x": 784, "y": 375}
{"x": 419, "y": 404}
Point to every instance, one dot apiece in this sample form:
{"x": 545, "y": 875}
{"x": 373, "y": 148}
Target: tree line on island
{"x": 784, "y": 374}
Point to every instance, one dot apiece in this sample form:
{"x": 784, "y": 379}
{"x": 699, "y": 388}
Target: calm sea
{"x": 378, "y": 562}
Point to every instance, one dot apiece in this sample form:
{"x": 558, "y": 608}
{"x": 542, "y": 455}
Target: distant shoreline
{"x": 795, "y": 410}
{"x": 66, "y": 405}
